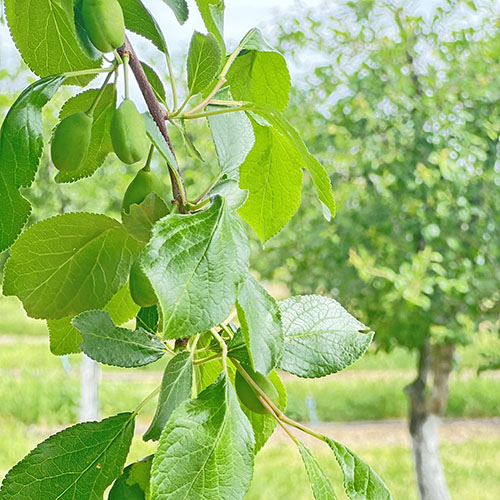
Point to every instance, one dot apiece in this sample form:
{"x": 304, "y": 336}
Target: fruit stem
{"x": 94, "y": 105}
{"x": 264, "y": 403}
{"x": 279, "y": 413}
{"x": 223, "y": 347}
{"x": 147, "y": 166}
{"x": 147, "y": 399}
{"x": 172, "y": 80}
{"x": 220, "y": 83}
{"x": 158, "y": 114}
{"x": 84, "y": 72}
{"x": 208, "y": 113}
{"x": 125, "y": 73}
{"x": 190, "y": 207}
{"x": 209, "y": 188}
{"x": 206, "y": 360}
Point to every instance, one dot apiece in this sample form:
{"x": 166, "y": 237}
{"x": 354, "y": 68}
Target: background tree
{"x": 407, "y": 116}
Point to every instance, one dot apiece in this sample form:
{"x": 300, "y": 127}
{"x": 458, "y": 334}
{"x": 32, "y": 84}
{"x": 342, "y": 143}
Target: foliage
{"x": 411, "y": 130}
{"x": 73, "y": 270}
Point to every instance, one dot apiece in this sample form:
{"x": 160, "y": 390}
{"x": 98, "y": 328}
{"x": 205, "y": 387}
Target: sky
{"x": 240, "y": 16}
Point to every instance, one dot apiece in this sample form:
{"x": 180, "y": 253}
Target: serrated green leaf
{"x": 260, "y": 77}
{"x": 195, "y": 264}
{"x": 260, "y": 319}
{"x": 321, "y": 337}
{"x": 263, "y": 425}
{"x": 141, "y": 218}
{"x": 308, "y": 161}
{"x": 78, "y": 462}
{"x": 320, "y": 484}
{"x": 212, "y": 12}
{"x": 121, "y": 307}
{"x": 46, "y": 38}
{"x": 133, "y": 484}
{"x": 254, "y": 40}
{"x": 155, "y": 82}
{"x": 237, "y": 348}
{"x": 361, "y": 482}
{"x": 180, "y": 9}
{"x": 139, "y": 20}
{"x": 206, "y": 449}
{"x": 68, "y": 264}
{"x": 158, "y": 140}
{"x": 147, "y": 318}
{"x": 233, "y": 137}
{"x": 203, "y": 61}
{"x": 273, "y": 176}
{"x": 176, "y": 387}
{"x": 231, "y": 192}
{"x": 100, "y": 143}
{"x": 66, "y": 339}
{"x": 106, "y": 343}
{"x": 21, "y": 147}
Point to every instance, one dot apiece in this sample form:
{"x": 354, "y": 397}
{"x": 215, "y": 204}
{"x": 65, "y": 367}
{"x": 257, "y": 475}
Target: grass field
{"x": 38, "y": 396}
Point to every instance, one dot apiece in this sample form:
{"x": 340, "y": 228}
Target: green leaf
{"x": 155, "y": 82}
{"x": 203, "y": 61}
{"x": 180, "y": 9}
{"x": 133, "y": 484}
{"x": 189, "y": 142}
{"x": 361, "y": 482}
{"x": 68, "y": 264}
{"x": 46, "y": 38}
{"x": 139, "y": 20}
{"x": 141, "y": 218}
{"x": 121, "y": 307}
{"x": 321, "y": 337}
{"x": 212, "y": 12}
{"x": 233, "y": 137}
{"x": 176, "y": 387}
{"x": 273, "y": 176}
{"x": 254, "y": 40}
{"x": 308, "y": 161}
{"x": 260, "y": 320}
{"x": 106, "y": 343}
{"x": 320, "y": 484}
{"x": 100, "y": 142}
{"x": 147, "y": 318}
{"x": 66, "y": 339}
{"x": 195, "y": 264}
{"x": 231, "y": 192}
{"x": 21, "y": 147}
{"x": 158, "y": 140}
{"x": 237, "y": 348}
{"x": 260, "y": 77}
{"x": 263, "y": 425}
{"x": 78, "y": 462}
{"x": 206, "y": 449}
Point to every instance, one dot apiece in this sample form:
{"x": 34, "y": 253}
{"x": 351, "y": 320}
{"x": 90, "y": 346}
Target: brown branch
{"x": 158, "y": 114}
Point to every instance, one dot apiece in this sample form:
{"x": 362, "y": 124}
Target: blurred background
{"x": 401, "y": 103}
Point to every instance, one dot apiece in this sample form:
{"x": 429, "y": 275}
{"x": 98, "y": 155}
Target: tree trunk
{"x": 89, "y": 390}
{"x": 428, "y": 401}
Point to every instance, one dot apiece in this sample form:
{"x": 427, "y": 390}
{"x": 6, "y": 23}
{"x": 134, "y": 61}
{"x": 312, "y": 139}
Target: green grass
{"x": 471, "y": 467}
{"x": 367, "y": 397}
{"x": 37, "y": 396}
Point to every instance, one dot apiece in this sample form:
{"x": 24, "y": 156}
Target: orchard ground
{"x": 364, "y": 407}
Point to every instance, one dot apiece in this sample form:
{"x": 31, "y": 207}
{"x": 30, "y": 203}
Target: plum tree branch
{"x": 158, "y": 114}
